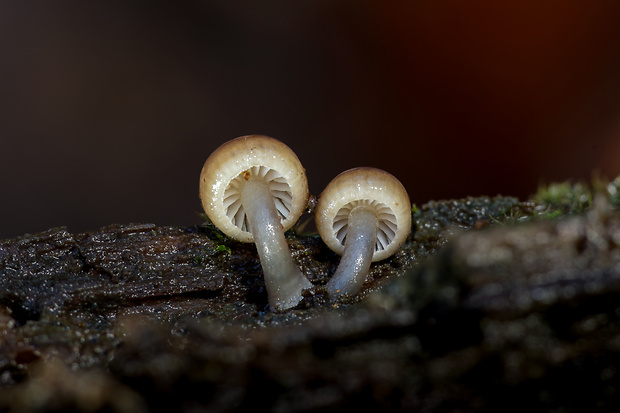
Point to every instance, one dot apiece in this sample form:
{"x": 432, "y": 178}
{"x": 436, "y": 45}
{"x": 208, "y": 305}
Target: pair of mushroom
{"x": 253, "y": 188}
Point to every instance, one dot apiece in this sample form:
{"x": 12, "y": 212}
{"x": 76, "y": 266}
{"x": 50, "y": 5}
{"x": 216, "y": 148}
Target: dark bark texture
{"x": 487, "y": 307}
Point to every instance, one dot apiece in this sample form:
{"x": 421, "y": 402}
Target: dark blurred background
{"x": 108, "y": 109}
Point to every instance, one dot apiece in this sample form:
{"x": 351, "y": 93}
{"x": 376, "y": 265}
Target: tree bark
{"x": 473, "y": 314}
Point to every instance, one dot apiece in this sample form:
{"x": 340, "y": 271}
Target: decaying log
{"x": 477, "y": 312}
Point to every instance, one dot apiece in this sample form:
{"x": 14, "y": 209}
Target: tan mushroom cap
{"x": 365, "y": 186}
{"x": 229, "y": 166}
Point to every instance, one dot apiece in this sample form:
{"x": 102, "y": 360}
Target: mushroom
{"x": 253, "y": 188}
{"x": 364, "y": 215}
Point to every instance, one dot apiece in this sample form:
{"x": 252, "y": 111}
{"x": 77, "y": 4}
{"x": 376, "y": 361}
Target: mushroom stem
{"x": 358, "y": 250}
{"x": 284, "y": 281}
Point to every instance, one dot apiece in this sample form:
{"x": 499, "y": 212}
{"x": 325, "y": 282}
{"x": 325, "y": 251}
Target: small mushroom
{"x": 253, "y": 188}
{"x": 364, "y": 215}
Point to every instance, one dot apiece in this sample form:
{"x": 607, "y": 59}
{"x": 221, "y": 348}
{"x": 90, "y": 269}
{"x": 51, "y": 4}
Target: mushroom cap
{"x": 229, "y": 166}
{"x": 371, "y": 187}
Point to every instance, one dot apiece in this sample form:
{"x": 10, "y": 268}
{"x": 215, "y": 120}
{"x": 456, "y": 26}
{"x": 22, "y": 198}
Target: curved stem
{"x": 284, "y": 281}
{"x": 358, "y": 250}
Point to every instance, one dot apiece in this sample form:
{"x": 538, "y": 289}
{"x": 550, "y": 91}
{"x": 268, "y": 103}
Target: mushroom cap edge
{"x": 238, "y": 155}
{"x": 364, "y": 183}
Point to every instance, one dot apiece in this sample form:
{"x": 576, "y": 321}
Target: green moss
{"x": 222, "y": 241}
{"x": 569, "y": 198}
{"x": 223, "y": 248}
{"x": 611, "y": 188}
{"x": 415, "y": 210}
{"x": 566, "y": 197}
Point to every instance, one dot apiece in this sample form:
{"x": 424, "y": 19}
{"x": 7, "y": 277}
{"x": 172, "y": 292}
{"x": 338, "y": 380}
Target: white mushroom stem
{"x": 284, "y": 281}
{"x": 357, "y": 256}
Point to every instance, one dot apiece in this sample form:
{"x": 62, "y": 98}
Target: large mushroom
{"x": 364, "y": 215}
{"x": 253, "y": 188}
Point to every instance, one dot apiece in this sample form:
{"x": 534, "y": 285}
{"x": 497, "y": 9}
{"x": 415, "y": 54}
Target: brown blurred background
{"x": 108, "y": 109}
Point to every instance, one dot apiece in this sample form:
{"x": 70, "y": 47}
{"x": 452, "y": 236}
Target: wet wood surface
{"x": 479, "y": 311}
